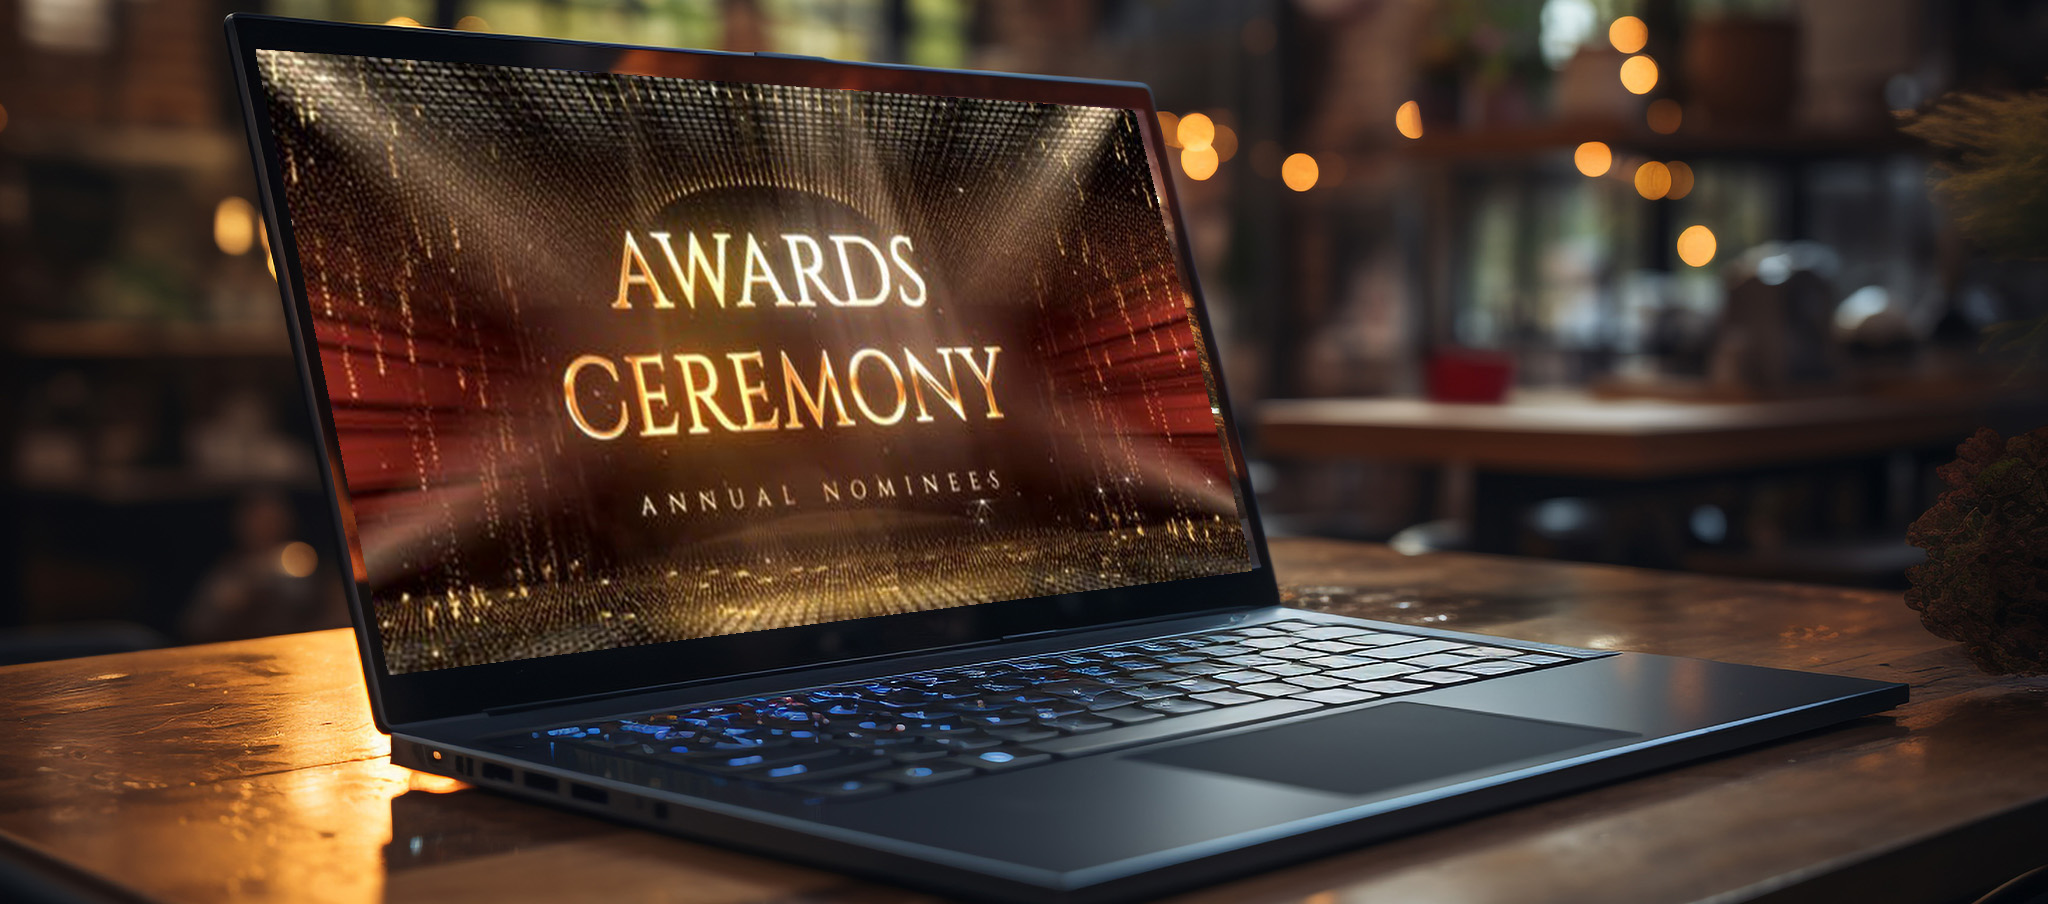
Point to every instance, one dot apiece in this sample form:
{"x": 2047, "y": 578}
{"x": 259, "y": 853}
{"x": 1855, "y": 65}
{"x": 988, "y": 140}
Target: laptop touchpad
{"x": 1381, "y": 748}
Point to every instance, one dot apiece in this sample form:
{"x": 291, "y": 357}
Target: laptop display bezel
{"x": 401, "y": 699}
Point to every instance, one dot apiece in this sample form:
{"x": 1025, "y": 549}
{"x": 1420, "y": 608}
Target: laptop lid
{"x": 639, "y": 367}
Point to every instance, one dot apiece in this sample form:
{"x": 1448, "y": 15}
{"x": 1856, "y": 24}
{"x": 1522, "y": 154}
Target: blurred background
{"x": 1692, "y": 284}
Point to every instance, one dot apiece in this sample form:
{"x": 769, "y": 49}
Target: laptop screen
{"x": 617, "y": 360}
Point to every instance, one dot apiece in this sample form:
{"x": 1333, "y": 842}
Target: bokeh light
{"x": 1696, "y": 246}
{"x": 1299, "y": 171}
{"x": 1665, "y": 116}
{"x": 472, "y": 23}
{"x": 1628, "y": 34}
{"x": 1226, "y": 142}
{"x": 1408, "y": 120}
{"x": 1593, "y": 158}
{"x": 1681, "y": 180}
{"x": 234, "y": 226}
{"x": 403, "y": 21}
{"x": 1196, "y": 130}
{"x": 1639, "y": 74}
{"x": 298, "y": 559}
{"x": 1169, "y": 128}
{"x": 1198, "y": 163}
{"x": 1653, "y": 180}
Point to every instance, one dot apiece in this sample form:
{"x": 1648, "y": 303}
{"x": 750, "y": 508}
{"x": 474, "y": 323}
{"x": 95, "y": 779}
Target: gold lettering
{"x": 807, "y": 273}
{"x": 853, "y": 297}
{"x": 920, "y": 377}
{"x": 897, "y": 247}
{"x": 758, "y": 271}
{"x": 828, "y": 391}
{"x": 985, "y": 374}
{"x": 707, "y": 500}
{"x": 751, "y": 389}
{"x": 895, "y": 376}
{"x": 628, "y": 279}
{"x": 576, "y": 411}
{"x": 650, "y": 396}
{"x": 702, "y": 396}
{"x": 678, "y": 502}
{"x": 831, "y": 491}
{"x": 699, "y": 263}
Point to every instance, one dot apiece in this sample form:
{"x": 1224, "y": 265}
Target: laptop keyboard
{"x": 855, "y": 741}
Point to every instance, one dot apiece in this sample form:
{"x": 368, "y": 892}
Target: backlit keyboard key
{"x": 1375, "y": 671}
{"x": 1414, "y": 648}
{"x": 1337, "y": 696}
{"x": 1393, "y": 687}
{"x": 1440, "y": 677}
{"x": 918, "y": 776}
{"x": 1227, "y": 698}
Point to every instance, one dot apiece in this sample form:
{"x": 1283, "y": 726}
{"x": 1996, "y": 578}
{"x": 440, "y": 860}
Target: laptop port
{"x": 541, "y": 782}
{"x": 585, "y": 792}
{"x": 497, "y": 773}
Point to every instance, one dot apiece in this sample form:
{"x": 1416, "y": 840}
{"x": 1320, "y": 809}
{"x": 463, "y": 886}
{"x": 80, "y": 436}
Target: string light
{"x": 1169, "y": 128}
{"x": 1225, "y": 143}
{"x": 1653, "y": 180}
{"x": 1628, "y": 34}
{"x": 298, "y": 559}
{"x": 234, "y": 226}
{"x": 1593, "y": 158}
{"x": 1408, "y": 120}
{"x": 1299, "y": 171}
{"x": 1681, "y": 180}
{"x": 1696, "y": 246}
{"x": 1639, "y": 74}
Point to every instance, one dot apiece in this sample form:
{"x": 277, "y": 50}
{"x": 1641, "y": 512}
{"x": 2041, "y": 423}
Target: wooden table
{"x": 1636, "y": 439}
{"x": 250, "y": 772}
{"x": 1659, "y": 456}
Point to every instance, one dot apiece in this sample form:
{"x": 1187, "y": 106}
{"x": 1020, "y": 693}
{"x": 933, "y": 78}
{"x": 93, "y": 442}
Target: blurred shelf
{"x": 142, "y": 147}
{"x": 1740, "y": 142}
{"x": 158, "y": 486}
{"x": 133, "y": 339}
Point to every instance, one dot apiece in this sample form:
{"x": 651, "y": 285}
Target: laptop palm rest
{"x": 1382, "y": 747}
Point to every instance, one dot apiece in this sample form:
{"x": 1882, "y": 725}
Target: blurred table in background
{"x": 1547, "y": 445}
{"x": 250, "y": 772}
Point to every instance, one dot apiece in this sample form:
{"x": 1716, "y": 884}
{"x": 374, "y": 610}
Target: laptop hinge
{"x": 1009, "y": 638}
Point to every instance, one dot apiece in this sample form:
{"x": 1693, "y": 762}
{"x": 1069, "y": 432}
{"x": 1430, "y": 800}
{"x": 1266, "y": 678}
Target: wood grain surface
{"x": 250, "y": 772}
{"x": 1636, "y": 439}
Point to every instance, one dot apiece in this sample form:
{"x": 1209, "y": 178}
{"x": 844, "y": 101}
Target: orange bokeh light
{"x": 1408, "y": 120}
{"x": 1639, "y": 74}
{"x": 1300, "y": 172}
{"x": 1593, "y": 158}
{"x": 1628, "y": 34}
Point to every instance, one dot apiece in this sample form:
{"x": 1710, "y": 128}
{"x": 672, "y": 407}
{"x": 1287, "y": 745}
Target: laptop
{"x": 830, "y": 460}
